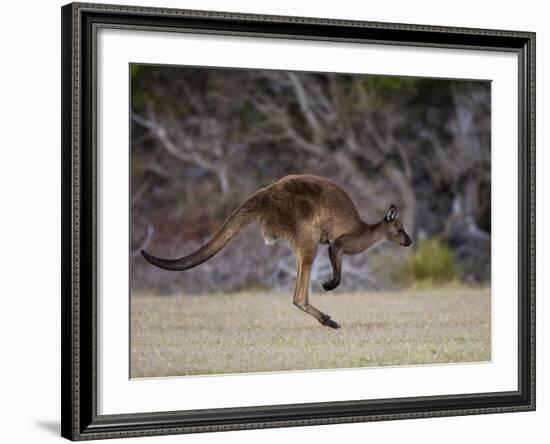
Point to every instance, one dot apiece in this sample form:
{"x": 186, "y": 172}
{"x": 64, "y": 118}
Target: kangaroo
{"x": 304, "y": 210}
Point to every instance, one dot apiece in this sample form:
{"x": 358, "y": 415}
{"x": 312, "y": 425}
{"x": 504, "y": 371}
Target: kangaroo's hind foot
{"x": 326, "y": 320}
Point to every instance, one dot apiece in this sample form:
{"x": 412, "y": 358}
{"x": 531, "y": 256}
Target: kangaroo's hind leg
{"x": 305, "y": 255}
{"x": 335, "y": 255}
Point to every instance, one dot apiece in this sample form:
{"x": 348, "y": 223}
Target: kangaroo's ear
{"x": 391, "y": 214}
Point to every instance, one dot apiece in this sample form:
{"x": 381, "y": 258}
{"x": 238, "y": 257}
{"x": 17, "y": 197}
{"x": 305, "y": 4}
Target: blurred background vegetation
{"x": 204, "y": 139}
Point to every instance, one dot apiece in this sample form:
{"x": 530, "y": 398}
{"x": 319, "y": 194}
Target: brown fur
{"x": 304, "y": 210}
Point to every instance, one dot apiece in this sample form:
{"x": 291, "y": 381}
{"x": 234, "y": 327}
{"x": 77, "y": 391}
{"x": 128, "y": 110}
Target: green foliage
{"x": 380, "y": 88}
{"x": 140, "y": 95}
{"x": 431, "y": 262}
{"x": 382, "y": 83}
{"x": 135, "y": 69}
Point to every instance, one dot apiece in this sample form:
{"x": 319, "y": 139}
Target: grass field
{"x": 263, "y": 331}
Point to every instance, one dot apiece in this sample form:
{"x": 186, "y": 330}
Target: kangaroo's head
{"x": 393, "y": 228}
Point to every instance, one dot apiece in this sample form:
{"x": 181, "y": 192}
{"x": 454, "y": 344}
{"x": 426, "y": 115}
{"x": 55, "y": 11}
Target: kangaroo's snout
{"x": 407, "y": 241}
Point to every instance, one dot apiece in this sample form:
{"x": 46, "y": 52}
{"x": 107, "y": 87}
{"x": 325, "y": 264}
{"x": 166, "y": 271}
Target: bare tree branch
{"x": 138, "y": 195}
{"x": 305, "y": 106}
{"x": 190, "y": 154}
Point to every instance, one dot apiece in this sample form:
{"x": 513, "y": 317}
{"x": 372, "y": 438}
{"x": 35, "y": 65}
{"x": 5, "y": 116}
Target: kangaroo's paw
{"x": 329, "y": 322}
{"x": 330, "y": 285}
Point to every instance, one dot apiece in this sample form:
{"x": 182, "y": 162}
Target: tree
{"x": 421, "y": 144}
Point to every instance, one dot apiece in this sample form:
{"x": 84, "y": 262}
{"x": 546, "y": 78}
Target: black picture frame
{"x": 78, "y": 332}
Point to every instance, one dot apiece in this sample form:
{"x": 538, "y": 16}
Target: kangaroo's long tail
{"x": 242, "y": 216}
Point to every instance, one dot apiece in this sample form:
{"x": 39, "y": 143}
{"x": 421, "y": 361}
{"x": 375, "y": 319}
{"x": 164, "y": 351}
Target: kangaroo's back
{"x": 319, "y": 191}
{"x": 297, "y": 200}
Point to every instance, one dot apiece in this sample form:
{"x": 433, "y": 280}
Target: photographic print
{"x": 285, "y": 220}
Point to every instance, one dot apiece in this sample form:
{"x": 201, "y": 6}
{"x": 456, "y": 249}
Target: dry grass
{"x": 262, "y": 331}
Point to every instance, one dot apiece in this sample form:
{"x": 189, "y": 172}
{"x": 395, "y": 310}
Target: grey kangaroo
{"x": 306, "y": 211}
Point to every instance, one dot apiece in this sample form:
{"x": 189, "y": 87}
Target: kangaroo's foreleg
{"x": 305, "y": 257}
{"x": 335, "y": 255}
